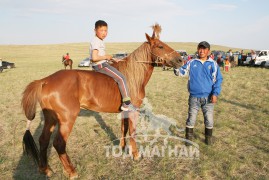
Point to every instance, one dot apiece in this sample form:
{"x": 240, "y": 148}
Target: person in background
{"x": 185, "y": 58}
{"x": 230, "y": 55}
{"x": 1, "y": 69}
{"x": 189, "y": 57}
{"x": 66, "y": 57}
{"x": 212, "y": 56}
{"x": 227, "y": 64}
{"x": 204, "y": 86}
{"x": 253, "y": 57}
{"x": 240, "y": 57}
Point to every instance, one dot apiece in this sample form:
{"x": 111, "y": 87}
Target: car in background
{"x": 85, "y": 63}
{"x": 248, "y": 58}
{"x": 182, "y": 53}
{"x": 219, "y": 54}
{"x": 120, "y": 55}
{"x": 8, "y": 65}
{"x": 262, "y": 58}
{"x": 266, "y": 64}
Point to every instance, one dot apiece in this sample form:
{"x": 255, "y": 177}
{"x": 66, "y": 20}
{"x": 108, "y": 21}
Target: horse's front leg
{"x": 124, "y": 129}
{"x": 133, "y": 116}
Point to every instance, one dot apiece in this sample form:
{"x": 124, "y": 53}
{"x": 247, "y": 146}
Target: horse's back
{"x": 83, "y": 88}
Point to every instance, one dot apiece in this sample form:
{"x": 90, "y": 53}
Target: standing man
{"x": 1, "y": 69}
{"x": 204, "y": 86}
{"x": 253, "y": 58}
{"x": 240, "y": 57}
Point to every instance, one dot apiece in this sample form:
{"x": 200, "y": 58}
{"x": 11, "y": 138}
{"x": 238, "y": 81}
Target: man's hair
{"x": 100, "y": 23}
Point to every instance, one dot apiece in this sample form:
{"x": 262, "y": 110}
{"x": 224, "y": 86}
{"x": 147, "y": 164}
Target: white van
{"x": 263, "y": 58}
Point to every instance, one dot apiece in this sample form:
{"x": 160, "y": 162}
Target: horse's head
{"x": 161, "y": 52}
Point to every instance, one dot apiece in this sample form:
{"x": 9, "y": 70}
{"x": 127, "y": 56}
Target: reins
{"x": 158, "y": 57}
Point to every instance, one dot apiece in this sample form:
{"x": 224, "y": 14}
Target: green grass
{"x": 241, "y": 122}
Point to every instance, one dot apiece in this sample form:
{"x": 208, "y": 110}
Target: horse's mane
{"x": 134, "y": 71}
{"x": 157, "y": 29}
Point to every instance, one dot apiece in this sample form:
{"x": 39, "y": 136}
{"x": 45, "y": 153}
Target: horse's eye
{"x": 161, "y": 47}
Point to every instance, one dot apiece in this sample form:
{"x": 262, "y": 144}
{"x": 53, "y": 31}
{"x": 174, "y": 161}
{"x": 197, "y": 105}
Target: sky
{"x": 233, "y": 23}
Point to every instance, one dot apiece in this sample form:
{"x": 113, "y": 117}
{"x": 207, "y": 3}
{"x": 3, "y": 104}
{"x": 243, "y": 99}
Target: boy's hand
{"x": 214, "y": 99}
{"x": 116, "y": 60}
{"x": 108, "y": 57}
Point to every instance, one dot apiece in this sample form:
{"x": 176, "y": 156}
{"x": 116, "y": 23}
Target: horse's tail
{"x": 31, "y": 96}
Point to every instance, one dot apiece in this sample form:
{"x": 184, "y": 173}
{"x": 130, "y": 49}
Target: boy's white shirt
{"x": 99, "y": 45}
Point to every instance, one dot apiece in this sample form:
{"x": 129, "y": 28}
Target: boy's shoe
{"x": 130, "y": 107}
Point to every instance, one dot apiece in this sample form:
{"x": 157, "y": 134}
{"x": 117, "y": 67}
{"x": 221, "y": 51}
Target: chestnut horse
{"x": 68, "y": 62}
{"x": 93, "y": 91}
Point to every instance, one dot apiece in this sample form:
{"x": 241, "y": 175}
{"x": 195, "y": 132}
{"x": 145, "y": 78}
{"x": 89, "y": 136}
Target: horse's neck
{"x": 148, "y": 75}
{"x": 147, "y": 57}
{"x": 138, "y": 73}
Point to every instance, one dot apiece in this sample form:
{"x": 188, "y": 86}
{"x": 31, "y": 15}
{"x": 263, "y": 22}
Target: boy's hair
{"x": 100, "y": 23}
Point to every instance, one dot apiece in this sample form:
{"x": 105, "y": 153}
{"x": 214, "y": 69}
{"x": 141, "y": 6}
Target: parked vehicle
{"x": 84, "y": 63}
{"x": 182, "y": 53}
{"x": 120, "y": 55}
{"x": 7, "y": 65}
{"x": 262, "y": 58}
{"x": 219, "y": 54}
{"x": 248, "y": 59}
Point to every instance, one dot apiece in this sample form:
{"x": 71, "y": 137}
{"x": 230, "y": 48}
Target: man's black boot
{"x": 208, "y": 136}
{"x": 189, "y": 135}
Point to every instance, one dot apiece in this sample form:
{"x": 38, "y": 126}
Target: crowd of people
{"x": 227, "y": 59}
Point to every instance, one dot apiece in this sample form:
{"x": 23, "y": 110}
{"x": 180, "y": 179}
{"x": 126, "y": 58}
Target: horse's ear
{"x": 148, "y": 38}
{"x": 153, "y": 35}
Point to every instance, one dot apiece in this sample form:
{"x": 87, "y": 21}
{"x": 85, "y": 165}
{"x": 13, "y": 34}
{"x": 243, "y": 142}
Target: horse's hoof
{"x": 72, "y": 175}
{"x": 137, "y": 157}
{"x": 47, "y": 171}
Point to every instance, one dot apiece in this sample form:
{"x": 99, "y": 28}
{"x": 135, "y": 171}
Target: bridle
{"x": 159, "y": 58}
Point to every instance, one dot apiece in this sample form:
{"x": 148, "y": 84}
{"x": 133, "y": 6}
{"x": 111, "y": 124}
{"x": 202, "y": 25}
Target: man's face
{"x": 203, "y": 52}
{"x": 101, "y": 32}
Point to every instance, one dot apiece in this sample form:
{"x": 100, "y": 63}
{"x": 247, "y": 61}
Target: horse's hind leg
{"x": 44, "y": 139}
{"x": 59, "y": 143}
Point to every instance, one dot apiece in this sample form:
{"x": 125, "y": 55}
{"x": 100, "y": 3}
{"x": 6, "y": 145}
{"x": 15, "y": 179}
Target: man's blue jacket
{"x": 204, "y": 78}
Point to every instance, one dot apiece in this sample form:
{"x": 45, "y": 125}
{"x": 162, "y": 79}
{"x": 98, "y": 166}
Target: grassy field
{"x": 241, "y": 149}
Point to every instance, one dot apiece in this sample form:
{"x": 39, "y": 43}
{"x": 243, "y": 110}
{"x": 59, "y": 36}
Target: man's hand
{"x": 214, "y": 99}
{"x": 176, "y": 72}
